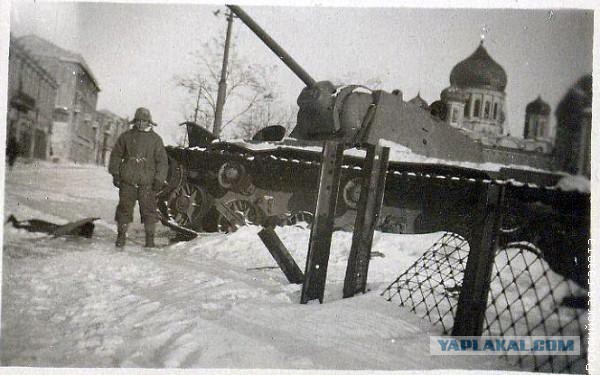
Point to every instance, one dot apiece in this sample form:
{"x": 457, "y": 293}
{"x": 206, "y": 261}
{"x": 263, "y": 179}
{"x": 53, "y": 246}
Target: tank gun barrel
{"x": 273, "y": 46}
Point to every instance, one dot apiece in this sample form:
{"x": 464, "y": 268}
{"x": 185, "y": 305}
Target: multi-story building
{"x": 73, "y": 135}
{"x": 31, "y": 96}
{"x": 109, "y": 127}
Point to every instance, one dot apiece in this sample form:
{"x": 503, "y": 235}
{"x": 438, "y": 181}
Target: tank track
{"x": 272, "y": 185}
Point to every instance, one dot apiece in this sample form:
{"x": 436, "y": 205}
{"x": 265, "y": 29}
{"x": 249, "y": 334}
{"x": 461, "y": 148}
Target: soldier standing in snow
{"x": 12, "y": 150}
{"x": 138, "y": 164}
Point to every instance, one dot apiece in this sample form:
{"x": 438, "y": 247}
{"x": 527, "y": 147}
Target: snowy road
{"x": 216, "y": 302}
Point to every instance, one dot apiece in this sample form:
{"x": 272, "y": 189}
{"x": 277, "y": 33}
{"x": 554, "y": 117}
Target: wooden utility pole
{"x": 223, "y": 81}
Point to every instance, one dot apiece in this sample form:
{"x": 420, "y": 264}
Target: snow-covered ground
{"x": 216, "y": 302}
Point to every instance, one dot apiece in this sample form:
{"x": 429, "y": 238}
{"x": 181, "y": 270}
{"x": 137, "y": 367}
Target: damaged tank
{"x": 271, "y": 180}
{"x": 433, "y": 180}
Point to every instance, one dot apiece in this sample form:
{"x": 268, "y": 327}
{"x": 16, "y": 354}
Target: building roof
{"x": 453, "y": 93}
{"x": 38, "y": 46}
{"x": 418, "y": 101}
{"x": 538, "y": 106}
{"x": 16, "y": 47}
{"x": 479, "y": 71}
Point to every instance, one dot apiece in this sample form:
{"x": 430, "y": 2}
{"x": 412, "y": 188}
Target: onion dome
{"x": 538, "y": 107}
{"x": 479, "y": 70}
{"x": 454, "y": 94}
{"x": 419, "y": 102}
{"x": 438, "y": 109}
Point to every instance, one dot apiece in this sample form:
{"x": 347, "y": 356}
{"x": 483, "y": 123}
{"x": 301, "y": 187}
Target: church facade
{"x": 475, "y": 104}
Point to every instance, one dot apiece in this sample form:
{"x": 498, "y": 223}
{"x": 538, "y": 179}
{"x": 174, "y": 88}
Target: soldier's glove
{"x": 116, "y": 181}
{"x": 157, "y": 185}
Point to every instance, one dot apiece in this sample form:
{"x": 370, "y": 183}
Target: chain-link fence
{"x": 526, "y": 297}
{"x": 430, "y": 287}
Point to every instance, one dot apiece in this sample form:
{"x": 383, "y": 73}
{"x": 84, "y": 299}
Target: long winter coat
{"x": 139, "y": 158}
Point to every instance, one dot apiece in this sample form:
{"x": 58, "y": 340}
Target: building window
{"x": 35, "y": 84}
{"x": 467, "y": 108}
{"x": 27, "y": 81}
{"x": 476, "y": 108}
{"x": 61, "y": 116}
{"x": 495, "y": 111}
{"x": 486, "y": 111}
{"x": 454, "y": 117}
{"x": 541, "y": 128}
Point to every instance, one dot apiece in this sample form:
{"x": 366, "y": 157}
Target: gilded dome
{"x": 479, "y": 71}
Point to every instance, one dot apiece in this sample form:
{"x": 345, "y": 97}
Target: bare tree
{"x": 267, "y": 112}
{"x": 247, "y": 84}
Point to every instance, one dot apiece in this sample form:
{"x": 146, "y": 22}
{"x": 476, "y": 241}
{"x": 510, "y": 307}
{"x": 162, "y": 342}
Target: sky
{"x": 136, "y": 50}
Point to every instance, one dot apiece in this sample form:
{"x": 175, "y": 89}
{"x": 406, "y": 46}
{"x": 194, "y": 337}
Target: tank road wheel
{"x": 187, "y": 206}
{"x": 301, "y": 219}
{"x": 233, "y": 176}
{"x": 249, "y": 213}
{"x": 510, "y": 224}
{"x": 351, "y": 192}
{"x": 175, "y": 177}
{"x": 515, "y": 221}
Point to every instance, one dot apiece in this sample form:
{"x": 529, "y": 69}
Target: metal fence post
{"x": 473, "y": 299}
{"x": 369, "y": 207}
{"x": 322, "y": 226}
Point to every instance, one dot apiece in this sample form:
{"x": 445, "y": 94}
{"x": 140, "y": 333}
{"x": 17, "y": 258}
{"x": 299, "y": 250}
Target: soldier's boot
{"x": 150, "y": 229}
{"x": 121, "y": 235}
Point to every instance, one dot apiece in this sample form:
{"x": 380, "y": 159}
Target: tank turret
{"x": 357, "y": 115}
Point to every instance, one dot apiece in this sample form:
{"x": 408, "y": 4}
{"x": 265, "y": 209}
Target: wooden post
{"x": 322, "y": 226}
{"x": 473, "y": 298}
{"x": 282, "y": 256}
{"x": 369, "y": 207}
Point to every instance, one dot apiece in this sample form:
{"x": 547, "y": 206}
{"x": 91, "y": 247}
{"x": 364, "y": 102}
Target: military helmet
{"x": 142, "y": 114}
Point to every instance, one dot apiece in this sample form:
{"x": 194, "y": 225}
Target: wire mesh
{"x": 526, "y": 298}
{"x": 430, "y": 287}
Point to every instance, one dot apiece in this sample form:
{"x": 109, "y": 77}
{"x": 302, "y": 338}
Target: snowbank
{"x": 216, "y": 302}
